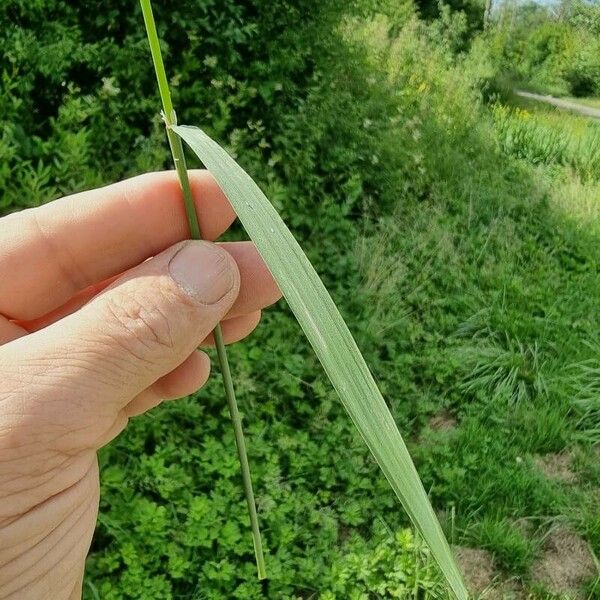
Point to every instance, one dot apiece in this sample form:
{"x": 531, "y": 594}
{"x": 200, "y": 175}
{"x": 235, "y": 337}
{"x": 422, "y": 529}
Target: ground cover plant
{"x": 447, "y": 257}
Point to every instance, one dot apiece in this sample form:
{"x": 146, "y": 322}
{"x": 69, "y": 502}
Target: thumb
{"x": 146, "y": 323}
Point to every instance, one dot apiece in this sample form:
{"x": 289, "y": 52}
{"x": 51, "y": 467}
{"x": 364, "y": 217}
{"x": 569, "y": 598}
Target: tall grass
{"x": 541, "y": 139}
{"x": 577, "y": 201}
{"x": 502, "y": 369}
{"x": 585, "y": 389}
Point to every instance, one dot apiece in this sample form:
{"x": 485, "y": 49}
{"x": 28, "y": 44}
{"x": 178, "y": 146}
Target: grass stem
{"x": 176, "y": 146}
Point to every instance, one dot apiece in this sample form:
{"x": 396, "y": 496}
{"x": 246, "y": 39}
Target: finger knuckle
{"x": 140, "y": 328}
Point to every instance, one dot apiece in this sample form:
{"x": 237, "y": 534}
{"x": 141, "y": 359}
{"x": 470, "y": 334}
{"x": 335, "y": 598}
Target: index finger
{"x": 49, "y": 253}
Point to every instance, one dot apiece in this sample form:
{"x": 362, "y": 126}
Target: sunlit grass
{"x": 545, "y": 137}
{"x": 577, "y": 201}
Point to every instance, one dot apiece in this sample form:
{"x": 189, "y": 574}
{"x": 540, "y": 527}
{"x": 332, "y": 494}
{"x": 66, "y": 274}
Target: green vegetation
{"x": 544, "y": 137}
{"x": 549, "y": 47}
{"x": 398, "y": 567}
{"x": 466, "y": 269}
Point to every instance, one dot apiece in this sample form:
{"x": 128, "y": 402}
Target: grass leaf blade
{"x": 333, "y": 343}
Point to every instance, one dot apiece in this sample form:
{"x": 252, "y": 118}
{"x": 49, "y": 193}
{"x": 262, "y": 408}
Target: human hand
{"x": 102, "y": 307}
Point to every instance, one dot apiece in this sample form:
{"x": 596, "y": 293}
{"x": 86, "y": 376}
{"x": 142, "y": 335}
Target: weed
{"x": 499, "y": 369}
{"x": 585, "y": 386}
{"x": 511, "y": 549}
{"x": 541, "y": 140}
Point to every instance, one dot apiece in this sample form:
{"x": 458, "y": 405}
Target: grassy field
{"x": 487, "y": 293}
{"x": 546, "y": 135}
{"x": 461, "y": 243}
{"x": 470, "y": 281}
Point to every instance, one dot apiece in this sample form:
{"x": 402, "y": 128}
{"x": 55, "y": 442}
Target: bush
{"x": 77, "y": 108}
{"x": 582, "y": 71}
{"x": 548, "y": 53}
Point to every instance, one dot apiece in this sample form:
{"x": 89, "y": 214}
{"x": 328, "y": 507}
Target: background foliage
{"x": 460, "y": 244}
{"x": 550, "y": 47}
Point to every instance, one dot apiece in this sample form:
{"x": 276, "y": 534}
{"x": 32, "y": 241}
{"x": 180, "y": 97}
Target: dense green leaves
{"x": 556, "y": 51}
{"x": 330, "y": 338}
{"x": 460, "y": 248}
{"x": 76, "y": 109}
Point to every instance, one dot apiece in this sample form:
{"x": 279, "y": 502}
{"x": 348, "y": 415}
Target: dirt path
{"x": 586, "y": 111}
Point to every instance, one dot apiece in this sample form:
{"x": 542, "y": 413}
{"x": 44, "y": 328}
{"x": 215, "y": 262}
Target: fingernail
{"x": 203, "y": 270}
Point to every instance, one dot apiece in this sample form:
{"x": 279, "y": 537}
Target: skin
{"x": 102, "y": 308}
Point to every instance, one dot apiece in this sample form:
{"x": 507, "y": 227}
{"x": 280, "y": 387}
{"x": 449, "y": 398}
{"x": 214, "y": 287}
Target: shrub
{"x": 77, "y": 109}
{"x": 549, "y": 52}
{"x": 582, "y": 70}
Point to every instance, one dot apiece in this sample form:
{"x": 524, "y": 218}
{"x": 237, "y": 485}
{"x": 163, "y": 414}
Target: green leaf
{"x": 328, "y": 334}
